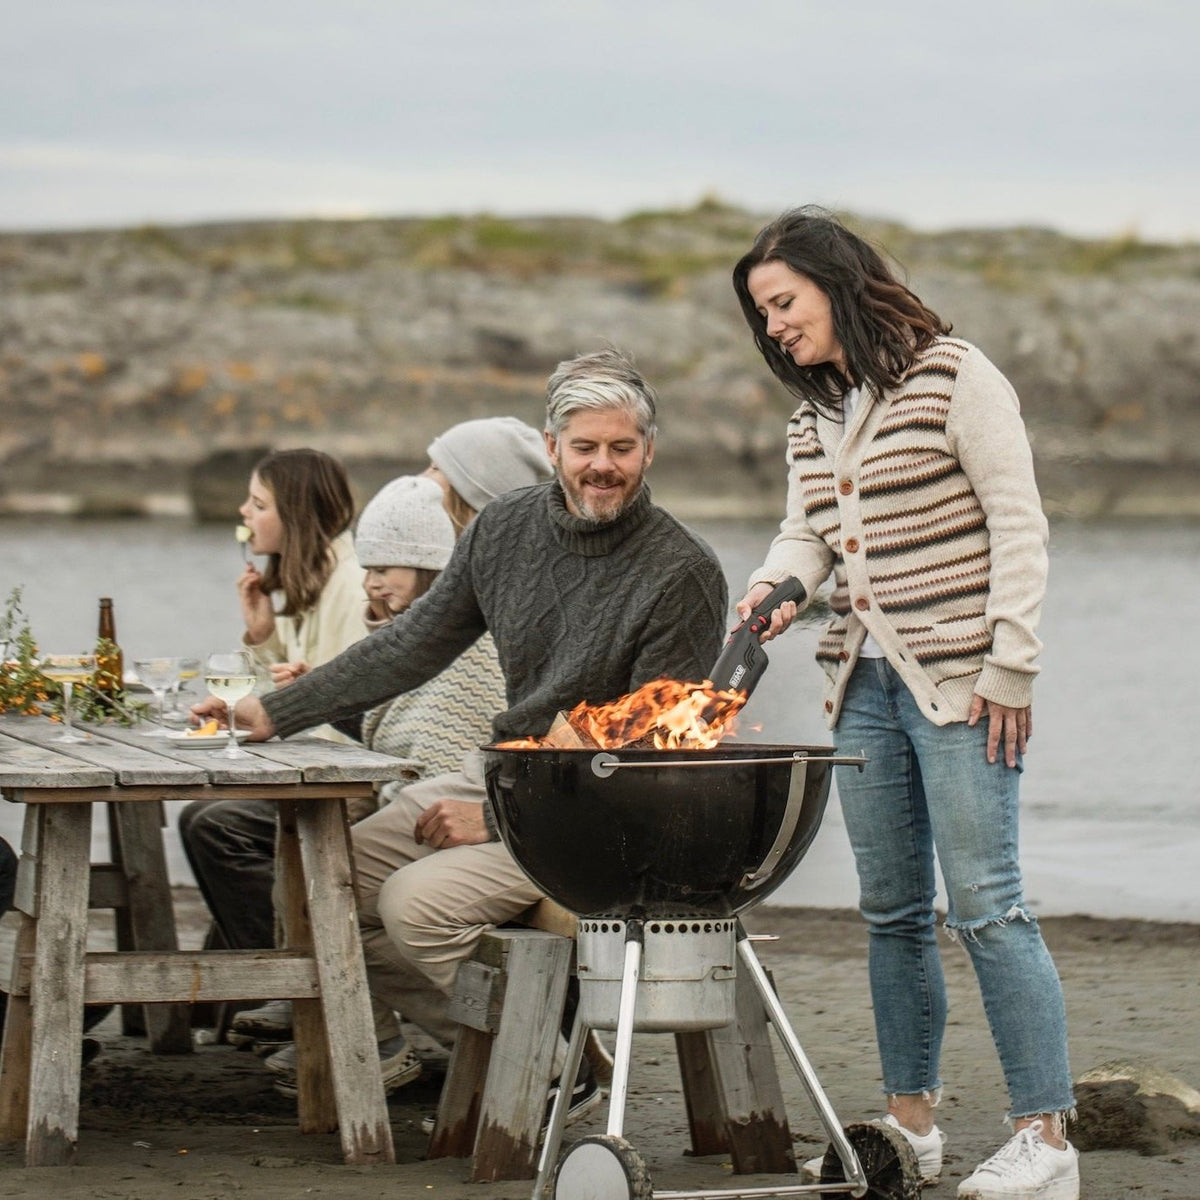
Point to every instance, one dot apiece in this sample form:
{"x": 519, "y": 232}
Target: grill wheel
{"x": 602, "y": 1167}
{"x": 888, "y": 1161}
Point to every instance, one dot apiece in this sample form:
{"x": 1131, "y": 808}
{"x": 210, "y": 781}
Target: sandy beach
{"x": 207, "y": 1125}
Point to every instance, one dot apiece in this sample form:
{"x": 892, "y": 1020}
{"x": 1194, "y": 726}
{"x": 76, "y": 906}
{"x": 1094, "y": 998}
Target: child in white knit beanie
{"x": 404, "y": 538}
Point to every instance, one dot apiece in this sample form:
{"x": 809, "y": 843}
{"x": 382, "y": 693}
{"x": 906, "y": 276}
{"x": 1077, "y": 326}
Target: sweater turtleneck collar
{"x": 593, "y": 539}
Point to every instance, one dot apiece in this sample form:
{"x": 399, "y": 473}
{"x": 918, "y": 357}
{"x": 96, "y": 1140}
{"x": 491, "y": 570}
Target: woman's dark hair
{"x": 312, "y": 497}
{"x": 879, "y": 323}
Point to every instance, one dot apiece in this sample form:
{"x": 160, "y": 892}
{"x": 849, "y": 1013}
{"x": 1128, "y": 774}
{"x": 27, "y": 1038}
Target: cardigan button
{"x": 844, "y": 655}
{"x": 862, "y": 604}
{"x": 846, "y": 486}
{"x": 829, "y": 706}
{"x": 851, "y": 545}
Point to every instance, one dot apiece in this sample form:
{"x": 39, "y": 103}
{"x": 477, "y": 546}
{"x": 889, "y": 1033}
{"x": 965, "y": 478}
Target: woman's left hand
{"x": 1013, "y": 726}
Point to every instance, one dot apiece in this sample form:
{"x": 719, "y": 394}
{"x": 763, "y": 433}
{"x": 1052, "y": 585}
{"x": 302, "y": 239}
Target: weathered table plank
{"x": 212, "y": 765}
{"x": 23, "y": 764}
{"x": 133, "y": 762}
{"x": 310, "y": 756}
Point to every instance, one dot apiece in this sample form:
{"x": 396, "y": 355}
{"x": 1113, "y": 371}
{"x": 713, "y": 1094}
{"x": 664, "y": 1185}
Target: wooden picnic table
{"x": 320, "y": 967}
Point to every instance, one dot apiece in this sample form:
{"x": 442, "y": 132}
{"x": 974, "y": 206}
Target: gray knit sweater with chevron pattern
{"x": 578, "y": 611}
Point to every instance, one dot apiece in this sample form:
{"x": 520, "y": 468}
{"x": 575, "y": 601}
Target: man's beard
{"x": 608, "y": 514}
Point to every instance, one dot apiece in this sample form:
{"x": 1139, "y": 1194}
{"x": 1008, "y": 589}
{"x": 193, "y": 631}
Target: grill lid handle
{"x": 787, "y": 827}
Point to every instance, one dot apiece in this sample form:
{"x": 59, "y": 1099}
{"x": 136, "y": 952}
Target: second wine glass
{"x": 229, "y": 677}
{"x": 159, "y": 675}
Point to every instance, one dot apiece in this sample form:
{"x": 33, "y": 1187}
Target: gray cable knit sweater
{"x": 578, "y": 611}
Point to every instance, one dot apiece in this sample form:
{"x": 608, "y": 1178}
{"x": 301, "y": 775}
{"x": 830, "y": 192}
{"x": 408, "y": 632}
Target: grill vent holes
{"x": 659, "y": 927}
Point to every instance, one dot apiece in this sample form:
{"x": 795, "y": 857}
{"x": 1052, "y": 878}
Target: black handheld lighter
{"x": 744, "y": 660}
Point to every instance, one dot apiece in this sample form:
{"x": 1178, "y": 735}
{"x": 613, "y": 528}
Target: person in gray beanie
{"x": 482, "y": 459}
{"x": 405, "y": 524}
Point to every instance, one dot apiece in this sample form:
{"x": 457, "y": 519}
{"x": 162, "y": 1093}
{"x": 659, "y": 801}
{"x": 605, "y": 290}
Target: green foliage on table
{"x": 23, "y": 688}
{"x": 25, "y": 691}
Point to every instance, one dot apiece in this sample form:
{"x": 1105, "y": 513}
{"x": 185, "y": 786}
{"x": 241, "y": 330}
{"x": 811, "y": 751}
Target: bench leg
{"x": 522, "y": 1061}
{"x": 462, "y": 1095}
{"x": 150, "y": 917}
{"x": 732, "y": 1091}
{"x": 701, "y": 1094}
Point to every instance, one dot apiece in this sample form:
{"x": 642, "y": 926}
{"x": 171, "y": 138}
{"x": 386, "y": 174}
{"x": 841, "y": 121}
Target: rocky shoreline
{"x": 133, "y": 363}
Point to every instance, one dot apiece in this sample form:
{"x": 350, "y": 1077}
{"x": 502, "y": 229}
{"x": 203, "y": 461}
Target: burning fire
{"x": 665, "y": 714}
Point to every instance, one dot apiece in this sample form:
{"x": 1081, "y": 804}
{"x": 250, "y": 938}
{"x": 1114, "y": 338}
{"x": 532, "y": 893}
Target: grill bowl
{"x": 663, "y": 837}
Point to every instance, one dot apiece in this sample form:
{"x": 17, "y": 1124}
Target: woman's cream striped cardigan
{"x": 928, "y": 515}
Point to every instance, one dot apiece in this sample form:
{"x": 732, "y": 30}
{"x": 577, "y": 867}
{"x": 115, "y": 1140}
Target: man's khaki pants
{"x": 422, "y": 911}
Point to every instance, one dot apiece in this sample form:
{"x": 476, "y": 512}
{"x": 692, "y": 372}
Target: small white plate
{"x": 208, "y": 741}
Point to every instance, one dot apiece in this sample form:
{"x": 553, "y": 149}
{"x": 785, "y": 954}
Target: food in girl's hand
{"x": 209, "y": 729}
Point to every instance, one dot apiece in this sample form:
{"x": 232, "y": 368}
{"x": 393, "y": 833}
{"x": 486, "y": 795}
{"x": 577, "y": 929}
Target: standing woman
{"x": 910, "y": 479}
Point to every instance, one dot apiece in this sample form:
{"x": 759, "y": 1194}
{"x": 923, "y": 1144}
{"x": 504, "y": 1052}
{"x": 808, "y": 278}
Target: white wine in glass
{"x": 229, "y": 677}
{"x": 67, "y": 670}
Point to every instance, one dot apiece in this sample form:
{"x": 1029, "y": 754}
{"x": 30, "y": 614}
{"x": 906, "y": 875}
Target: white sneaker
{"x": 269, "y": 1024}
{"x": 398, "y": 1063}
{"x": 927, "y": 1147}
{"x": 1026, "y": 1167}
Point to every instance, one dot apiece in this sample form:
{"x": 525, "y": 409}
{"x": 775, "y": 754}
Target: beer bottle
{"x": 110, "y": 663}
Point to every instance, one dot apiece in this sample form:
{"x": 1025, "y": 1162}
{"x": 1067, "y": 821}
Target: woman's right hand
{"x": 257, "y": 613}
{"x": 781, "y": 617}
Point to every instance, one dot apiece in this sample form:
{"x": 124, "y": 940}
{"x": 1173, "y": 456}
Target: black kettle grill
{"x": 657, "y": 851}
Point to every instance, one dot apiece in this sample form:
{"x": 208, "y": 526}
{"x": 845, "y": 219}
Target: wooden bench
{"x": 509, "y": 1000}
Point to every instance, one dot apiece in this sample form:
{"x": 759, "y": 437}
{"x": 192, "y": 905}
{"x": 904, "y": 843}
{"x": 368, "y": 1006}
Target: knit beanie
{"x": 484, "y": 458}
{"x": 405, "y": 525}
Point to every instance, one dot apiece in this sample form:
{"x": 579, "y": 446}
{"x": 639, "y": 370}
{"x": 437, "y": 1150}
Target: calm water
{"x": 1111, "y": 816}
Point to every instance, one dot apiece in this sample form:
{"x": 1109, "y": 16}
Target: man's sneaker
{"x": 927, "y": 1147}
{"x": 1026, "y": 1167}
{"x": 584, "y": 1097}
{"x": 270, "y": 1024}
{"x": 398, "y": 1062}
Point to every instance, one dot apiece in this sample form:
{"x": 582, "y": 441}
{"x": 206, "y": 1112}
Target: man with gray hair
{"x": 589, "y": 590}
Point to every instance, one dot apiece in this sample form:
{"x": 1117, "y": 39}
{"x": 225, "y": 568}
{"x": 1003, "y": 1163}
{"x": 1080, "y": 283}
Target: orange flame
{"x": 665, "y": 713}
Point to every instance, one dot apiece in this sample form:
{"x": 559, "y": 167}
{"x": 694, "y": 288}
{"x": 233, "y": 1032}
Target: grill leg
{"x": 562, "y": 1103}
{"x": 634, "y": 944}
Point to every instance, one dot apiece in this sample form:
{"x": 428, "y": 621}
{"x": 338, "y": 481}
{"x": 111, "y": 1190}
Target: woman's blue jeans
{"x": 929, "y": 786}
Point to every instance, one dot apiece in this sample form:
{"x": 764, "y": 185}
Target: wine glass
{"x": 67, "y": 670}
{"x": 229, "y": 677}
{"x": 159, "y": 675}
{"x": 189, "y": 669}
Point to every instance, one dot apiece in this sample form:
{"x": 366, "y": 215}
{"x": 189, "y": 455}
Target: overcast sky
{"x": 1083, "y": 115}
